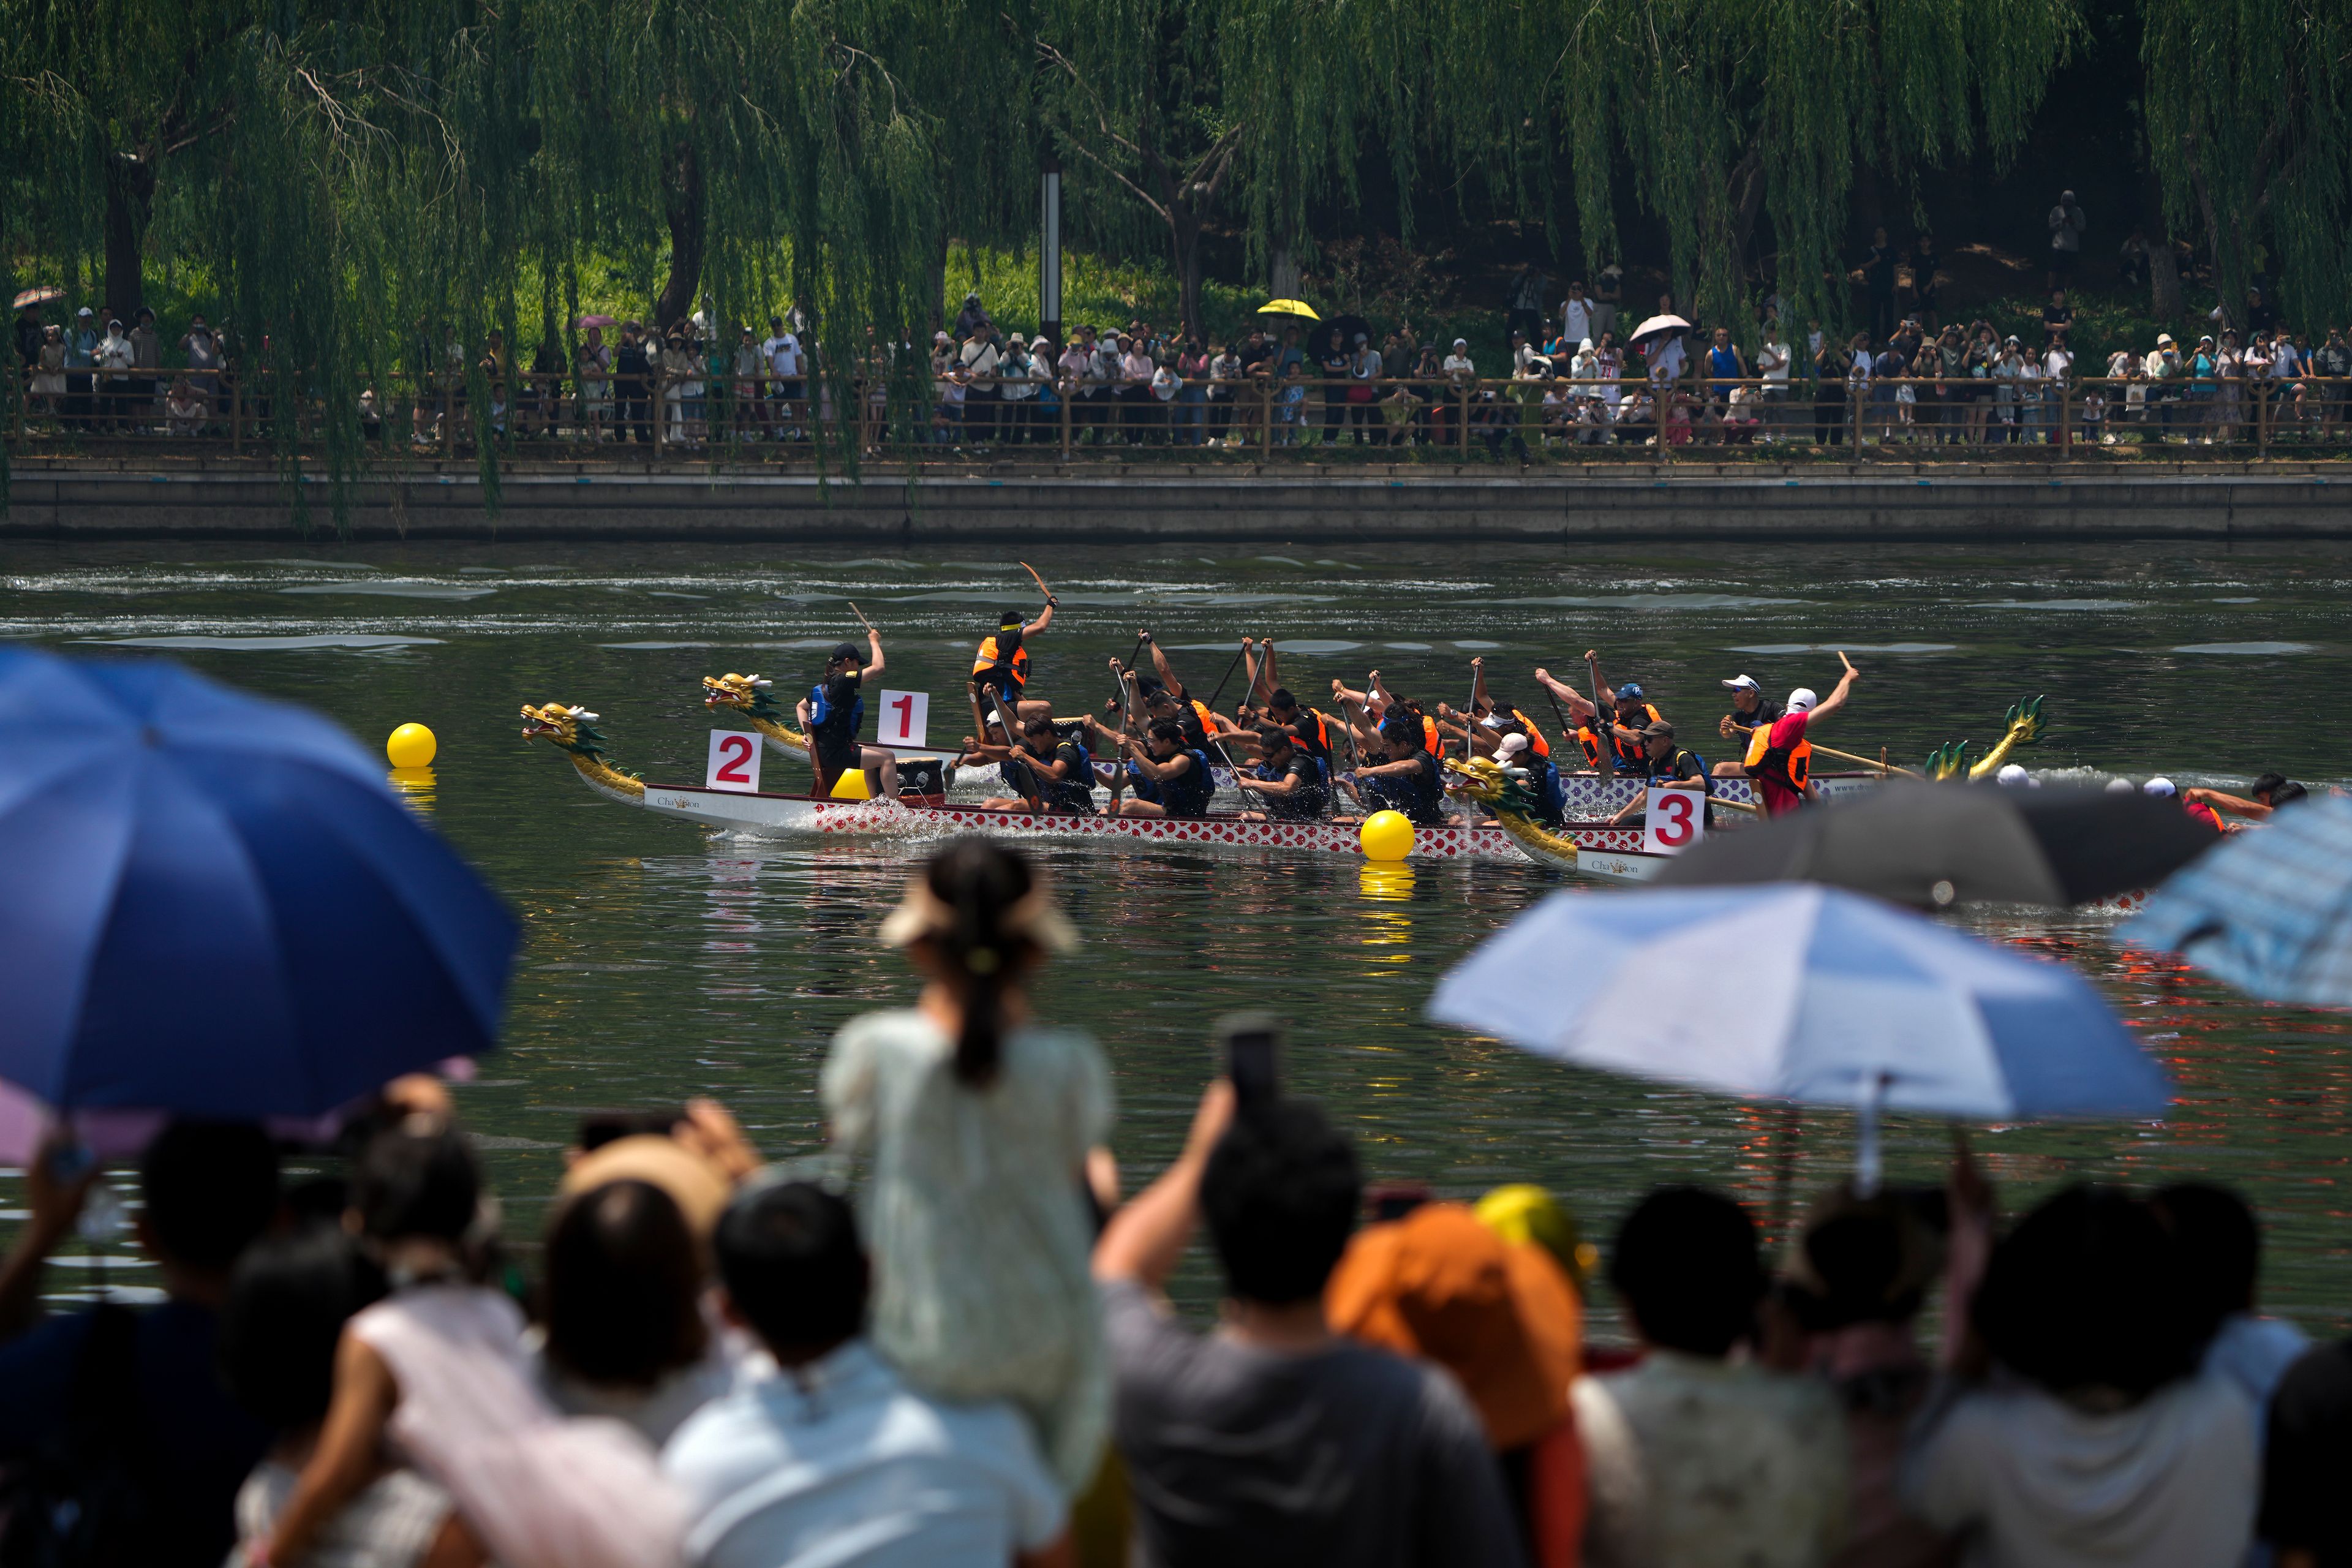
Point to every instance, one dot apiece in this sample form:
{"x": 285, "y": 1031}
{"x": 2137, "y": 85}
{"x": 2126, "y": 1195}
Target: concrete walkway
{"x": 1240, "y": 501}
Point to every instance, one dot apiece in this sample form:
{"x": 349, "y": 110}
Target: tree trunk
{"x": 935, "y": 285}
{"x": 682, "y": 183}
{"x": 1184, "y": 232}
{"x": 2163, "y": 268}
{"x": 1282, "y": 274}
{"x": 130, "y": 198}
{"x": 2163, "y": 279}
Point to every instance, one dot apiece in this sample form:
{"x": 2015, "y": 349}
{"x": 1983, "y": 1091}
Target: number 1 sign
{"x": 1676, "y": 819}
{"x": 734, "y": 763}
{"x": 905, "y": 716}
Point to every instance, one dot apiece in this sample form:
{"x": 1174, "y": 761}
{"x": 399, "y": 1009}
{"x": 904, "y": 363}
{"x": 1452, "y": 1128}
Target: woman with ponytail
{"x": 980, "y": 1122}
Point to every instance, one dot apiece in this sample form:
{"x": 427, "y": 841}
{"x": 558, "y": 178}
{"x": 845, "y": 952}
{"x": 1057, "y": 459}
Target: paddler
{"x": 1310, "y": 731}
{"x": 1630, "y": 712}
{"x": 1409, "y": 781}
{"x": 1285, "y": 782}
{"x": 1516, "y": 750}
{"x": 2163, "y": 789}
{"x": 1171, "y": 779}
{"x": 1208, "y": 723}
{"x": 830, "y": 716}
{"x": 2263, "y": 796}
{"x": 1669, "y": 766}
{"x": 1001, "y": 663}
{"x": 1750, "y": 710}
{"x": 1054, "y": 766}
{"x": 1781, "y": 768}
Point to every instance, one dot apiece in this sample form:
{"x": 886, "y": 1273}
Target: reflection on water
{"x": 661, "y": 962}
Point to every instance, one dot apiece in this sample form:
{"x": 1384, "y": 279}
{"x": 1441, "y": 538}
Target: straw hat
{"x": 922, "y": 913}
{"x": 693, "y": 1183}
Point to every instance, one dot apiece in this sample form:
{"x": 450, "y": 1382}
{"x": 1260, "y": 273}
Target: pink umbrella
{"x": 586, "y": 321}
{"x": 36, "y": 296}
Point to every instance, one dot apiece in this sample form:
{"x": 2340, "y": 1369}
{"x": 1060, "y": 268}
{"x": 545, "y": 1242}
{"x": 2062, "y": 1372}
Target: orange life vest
{"x": 1590, "y": 743}
{"x": 1429, "y": 739}
{"x": 1635, "y": 753}
{"x": 1208, "y": 720}
{"x": 1791, "y": 767}
{"x": 986, "y": 659}
{"x": 1536, "y": 742}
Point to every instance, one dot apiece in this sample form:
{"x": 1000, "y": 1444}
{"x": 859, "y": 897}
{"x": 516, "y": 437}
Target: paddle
{"x": 1219, "y": 691}
{"x": 1025, "y": 779}
{"x": 1048, "y": 593}
{"x": 1881, "y": 765}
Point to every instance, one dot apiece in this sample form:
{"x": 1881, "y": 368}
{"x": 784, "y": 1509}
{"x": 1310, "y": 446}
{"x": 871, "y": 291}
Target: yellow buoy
{"x": 1386, "y": 835}
{"x": 852, "y": 785}
{"x": 411, "y": 746}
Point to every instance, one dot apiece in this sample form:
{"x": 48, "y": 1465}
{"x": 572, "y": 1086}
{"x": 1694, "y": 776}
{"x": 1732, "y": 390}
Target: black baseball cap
{"x": 844, "y": 653}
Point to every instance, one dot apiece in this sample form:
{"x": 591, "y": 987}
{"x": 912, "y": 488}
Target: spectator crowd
{"x": 1568, "y": 377}
{"x": 719, "y": 1361}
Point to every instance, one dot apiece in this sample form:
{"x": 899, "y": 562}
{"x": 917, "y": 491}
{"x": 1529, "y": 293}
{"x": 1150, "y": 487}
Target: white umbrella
{"x": 1658, "y": 324}
{"x": 1801, "y": 993}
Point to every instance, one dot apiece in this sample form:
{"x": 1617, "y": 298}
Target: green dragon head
{"x": 751, "y": 695}
{"x": 2023, "y": 727}
{"x": 1949, "y": 761}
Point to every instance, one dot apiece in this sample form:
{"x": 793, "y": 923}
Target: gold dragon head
{"x": 752, "y": 695}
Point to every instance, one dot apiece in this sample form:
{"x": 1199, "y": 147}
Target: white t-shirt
{"x": 1774, "y": 358}
{"x": 839, "y": 1465}
{"x": 2170, "y": 1483}
{"x": 1164, "y": 384}
{"x": 1668, "y": 362}
{"x": 1576, "y": 319}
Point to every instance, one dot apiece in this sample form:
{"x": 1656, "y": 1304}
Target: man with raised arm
{"x": 1781, "y": 768}
{"x": 1274, "y": 1439}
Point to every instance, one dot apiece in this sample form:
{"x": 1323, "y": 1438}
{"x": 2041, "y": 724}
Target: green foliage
{"x": 2249, "y": 110}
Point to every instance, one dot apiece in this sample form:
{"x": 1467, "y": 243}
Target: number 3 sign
{"x": 734, "y": 763}
{"x": 1676, "y": 820}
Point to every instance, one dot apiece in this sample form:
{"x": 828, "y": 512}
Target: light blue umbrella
{"x": 1802, "y": 993}
{"x": 2269, "y": 911}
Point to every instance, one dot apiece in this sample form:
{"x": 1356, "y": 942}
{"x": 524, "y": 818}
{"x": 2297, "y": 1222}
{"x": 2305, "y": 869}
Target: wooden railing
{"x": 658, "y": 418}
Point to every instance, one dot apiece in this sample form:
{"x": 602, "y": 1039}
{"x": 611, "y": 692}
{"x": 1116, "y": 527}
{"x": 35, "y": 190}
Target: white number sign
{"x": 1675, "y": 821}
{"x": 734, "y": 763}
{"x": 905, "y": 716}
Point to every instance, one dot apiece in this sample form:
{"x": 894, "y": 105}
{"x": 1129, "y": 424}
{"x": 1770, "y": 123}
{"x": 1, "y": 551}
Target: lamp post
{"x": 1049, "y": 252}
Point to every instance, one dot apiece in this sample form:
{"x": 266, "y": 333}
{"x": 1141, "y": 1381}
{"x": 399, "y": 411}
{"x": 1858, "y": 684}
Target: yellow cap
{"x": 1526, "y": 1213}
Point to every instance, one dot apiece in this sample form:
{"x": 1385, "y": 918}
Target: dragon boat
{"x": 572, "y": 730}
{"x": 1586, "y": 842}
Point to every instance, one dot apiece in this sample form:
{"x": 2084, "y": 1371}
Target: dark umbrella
{"x": 214, "y": 905}
{"x": 1930, "y": 844}
{"x": 1349, "y": 324}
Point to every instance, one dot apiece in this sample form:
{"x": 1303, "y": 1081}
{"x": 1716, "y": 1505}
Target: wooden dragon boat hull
{"x": 778, "y": 816}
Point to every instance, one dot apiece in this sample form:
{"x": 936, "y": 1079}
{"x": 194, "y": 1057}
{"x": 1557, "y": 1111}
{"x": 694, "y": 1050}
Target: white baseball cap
{"x": 2120, "y": 786}
{"x": 1512, "y": 746}
{"x": 1803, "y": 700}
{"x": 2158, "y": 786}
{"x": 2013, "y": 775}
{"x": 1742, "y": 683}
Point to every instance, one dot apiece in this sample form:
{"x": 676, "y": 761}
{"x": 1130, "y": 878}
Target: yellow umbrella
{"x": 1288, "y": 308}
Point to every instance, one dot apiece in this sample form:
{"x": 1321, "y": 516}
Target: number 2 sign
{"x": 1676, "y": 820}
{"x": 905, "y": 716}
{"x": 734, "y": 763}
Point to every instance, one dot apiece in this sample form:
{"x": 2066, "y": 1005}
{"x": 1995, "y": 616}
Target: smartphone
{"x": 1248, "y": 1044}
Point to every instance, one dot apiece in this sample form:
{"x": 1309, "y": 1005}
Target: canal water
{"x": 661, "y": 961}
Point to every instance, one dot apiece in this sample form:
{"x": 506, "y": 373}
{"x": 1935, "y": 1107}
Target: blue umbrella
{"x": 2269, "y": 911}
{"x": 214, "y": 905}
{"x": 1802, "y": 993}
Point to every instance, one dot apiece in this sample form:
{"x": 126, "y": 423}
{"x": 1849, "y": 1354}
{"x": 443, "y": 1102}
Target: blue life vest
{"x": 1187, "y": 794}
{"x": 825, "y": 716}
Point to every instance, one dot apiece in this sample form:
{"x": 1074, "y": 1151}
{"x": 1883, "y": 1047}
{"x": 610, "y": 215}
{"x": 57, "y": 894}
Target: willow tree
{"x": 1730, "y": 111}
{"x": 2248, "y": 113}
